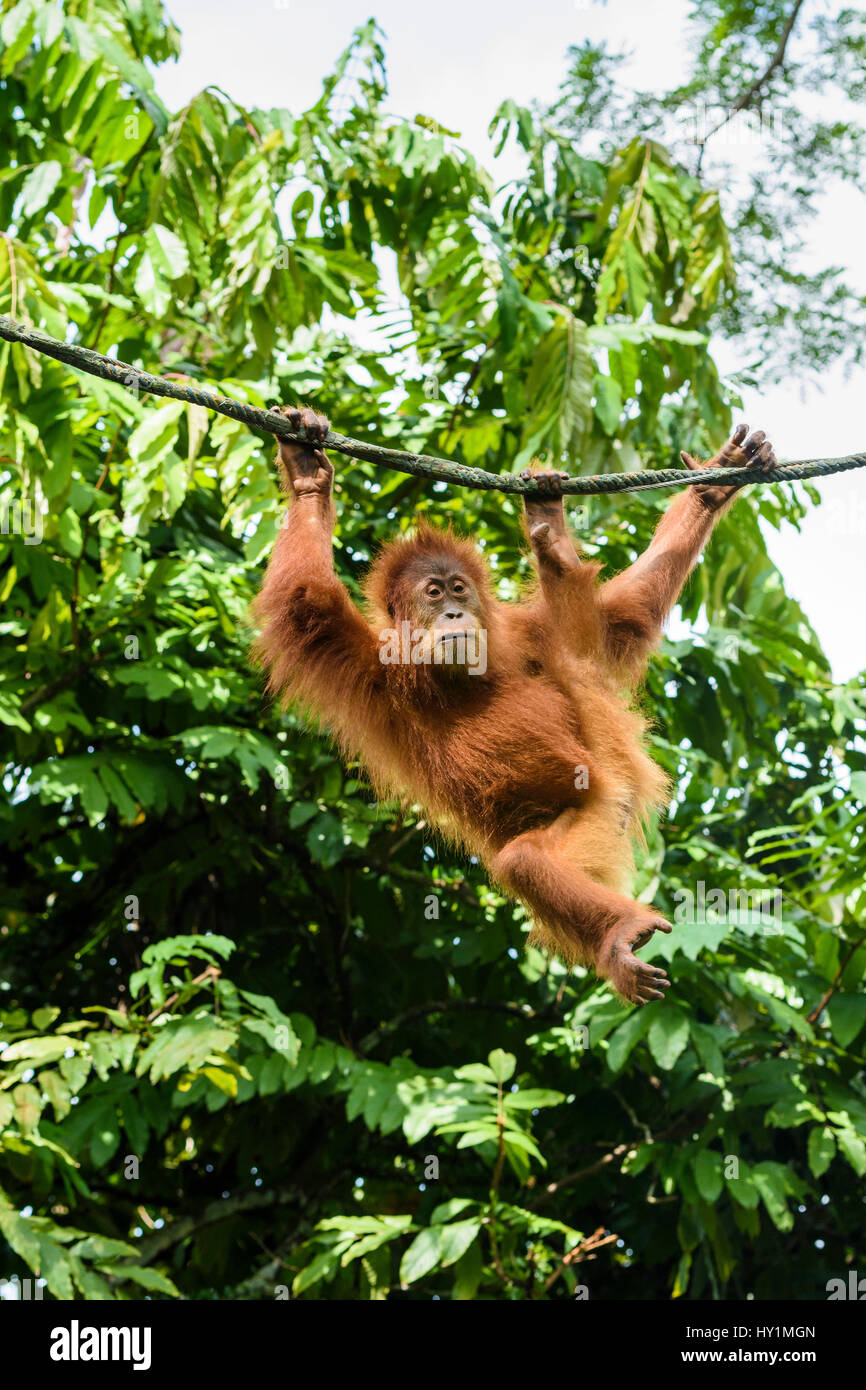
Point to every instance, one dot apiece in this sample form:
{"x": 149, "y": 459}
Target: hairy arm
{"x": 313, "y": 641}
{"x": 634, "y": 604}
{"x": 567, "y": 582}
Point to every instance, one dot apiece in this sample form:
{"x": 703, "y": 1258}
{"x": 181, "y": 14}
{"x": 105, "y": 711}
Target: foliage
{"x": 246, "y": 1009}
{"x": 771, "y": 113}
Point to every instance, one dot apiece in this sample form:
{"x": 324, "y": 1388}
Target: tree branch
{"x": 819, "y": 1008}
{"x": 747, "y": 98}
{"x": 584, "y": 1250}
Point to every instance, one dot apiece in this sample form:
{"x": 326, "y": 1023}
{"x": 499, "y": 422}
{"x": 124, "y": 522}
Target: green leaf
{"x": 708, "y": 1050}
{"x": 150, "y": 1279}
{"x": 323, "y": 1266}
{"x": 502, "y": 1065}
{"x": 102, "y": 1248}
{"x": 38, "y": 188}
{"x": 41, "y": 1050}
{"x": 423, "y": 1255}
{"x": 608, "y": 403}
{"x": 28, "y": 1107}
{"x": 468, "y": 1273}
{"x": 455, "y": 1240}
{"x": 44, "y": 1017}
{"x": 20, "y": 1234}
{"x": 708, "y": 1175}
{"x": 822, "y": 1149}
{"x": 475, "y": 1136}
{"x": 847, "y": 1014}
{"x": 532, "y": 1099}
{"x": 183, "y": 1044}
{"x": 854, "y": 1149}
{"x": 477, "y": 1072}
{"x": 104, "y": 1134}
{"x": 625, "y": 1038}
{"x": 163, "y": 261}
{"x": 70, "y": 533}
{"x": 57, "y": 1091}
{"x": 771, "y": 1183}
{"x": 668, "y": 1037}
{"x": 446, "y": 1211}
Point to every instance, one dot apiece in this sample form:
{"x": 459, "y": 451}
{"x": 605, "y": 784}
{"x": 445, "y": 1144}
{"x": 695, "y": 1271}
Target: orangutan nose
{"x": 453, "y": 614}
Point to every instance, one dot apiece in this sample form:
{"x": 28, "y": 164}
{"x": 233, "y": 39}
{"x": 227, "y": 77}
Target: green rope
{"x": 421, "y": 465}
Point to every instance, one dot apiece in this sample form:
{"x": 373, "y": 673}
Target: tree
{"x": 246, "y": 1009}
{"x": 772, "y": 114}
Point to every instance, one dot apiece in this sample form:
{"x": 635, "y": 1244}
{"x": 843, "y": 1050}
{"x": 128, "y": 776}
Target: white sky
{"x": 456, "y": 62}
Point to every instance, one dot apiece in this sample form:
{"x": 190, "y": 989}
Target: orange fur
{"x": 538, "y": 766}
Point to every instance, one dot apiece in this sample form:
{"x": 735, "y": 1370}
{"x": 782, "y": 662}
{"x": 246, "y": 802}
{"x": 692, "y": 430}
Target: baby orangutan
{"x": 509, "y": 724}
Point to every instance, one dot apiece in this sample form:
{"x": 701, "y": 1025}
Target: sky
{"x": 456, "y": 62}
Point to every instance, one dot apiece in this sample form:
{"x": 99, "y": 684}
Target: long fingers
{"x": 549, "y": 480}
{"x": 766, "y": 457}
{"x": 756, "y": 448}
{"x": 315, "y": 426}
{"x": 753, "y": 443}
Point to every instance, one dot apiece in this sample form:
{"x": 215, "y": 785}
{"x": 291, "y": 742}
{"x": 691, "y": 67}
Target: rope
{"x": 421, "y": 465}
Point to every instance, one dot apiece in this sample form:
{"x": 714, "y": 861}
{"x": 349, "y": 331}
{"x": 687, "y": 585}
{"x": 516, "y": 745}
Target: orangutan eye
{"x": 434, "y": 591}
{"x": 459, "y": 587}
